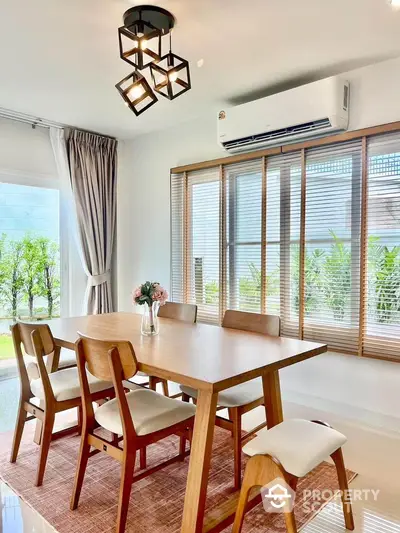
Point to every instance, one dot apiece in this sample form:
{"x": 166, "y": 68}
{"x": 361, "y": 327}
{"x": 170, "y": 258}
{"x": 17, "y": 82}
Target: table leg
{"x": 200, "y": 456}
{"x": 272, "y": 398}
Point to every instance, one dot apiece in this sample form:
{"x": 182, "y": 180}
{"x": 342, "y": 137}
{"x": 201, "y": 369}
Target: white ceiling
{"x": 59, "y": 58}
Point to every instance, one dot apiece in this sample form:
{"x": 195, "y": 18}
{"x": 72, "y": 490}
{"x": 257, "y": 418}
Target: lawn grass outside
{"x": 6, "y": 347}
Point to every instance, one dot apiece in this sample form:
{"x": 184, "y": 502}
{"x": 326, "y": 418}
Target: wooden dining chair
{"x": 176, "y": 311}
{"x": 246, "y": 396}
{"x": 141, "y": 417}
{"x": 289, "y": 451}
{"x": 57, "y": 391}
{"x": 61, "y": 358}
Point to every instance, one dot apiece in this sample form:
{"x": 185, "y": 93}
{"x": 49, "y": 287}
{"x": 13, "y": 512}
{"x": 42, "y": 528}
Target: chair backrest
{"x": 254, "y": 322}
{"x": 108, "y": 360}
{"x": 47, "y": 340}
{"x": 97, "y": 361}
{"x": 38, "y": 342}
{"x": 182, "y": 312}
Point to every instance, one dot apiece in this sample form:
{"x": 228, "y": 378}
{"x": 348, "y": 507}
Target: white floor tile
{"x": 18, "y": 517}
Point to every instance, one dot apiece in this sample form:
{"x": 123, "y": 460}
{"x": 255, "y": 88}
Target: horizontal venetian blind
{"x": 272, "y": 221}
{"x": 243, "y": 213}
{"x": 311, "y": 235}
{"x": 283, "y": 239}
{"x": 382, "y": 331}
{"x": 178, "y": 244}
{"x": 332, "y": 245}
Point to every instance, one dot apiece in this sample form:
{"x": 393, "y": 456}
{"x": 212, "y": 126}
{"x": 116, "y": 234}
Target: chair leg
{"x": 152, "y": 383}
{"x": 47, "y": 432}
{"x": 37, "y": 439}
{"x": 165, "y": 387}
{"x": 231, "y": 417}
{"x": 344, "y": 487}
{"x": 182, "y": 446}
{"x": 260, "y": 470}
{"x": 80, "y": 415}
{"x": 290, "y": 521}
{"x": 19, "y": 428}
{"x": 237, "y": 446}
{"x": 143, "y": 458}
{"x": 185, "y": 397}
{"x": 80, "y": 471}
{"x": 125, "y": 489}
{"x": 241, "y": 508}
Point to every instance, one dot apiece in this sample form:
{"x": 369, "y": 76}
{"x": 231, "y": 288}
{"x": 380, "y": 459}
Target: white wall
{"x": 25, "y": 151}
{"x": 143, "y": 199}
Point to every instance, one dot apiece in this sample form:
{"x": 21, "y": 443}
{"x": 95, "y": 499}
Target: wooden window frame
{"x": 263, "y": 155}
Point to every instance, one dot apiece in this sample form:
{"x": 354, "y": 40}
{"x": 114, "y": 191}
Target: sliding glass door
{"x": 30, "y": 273}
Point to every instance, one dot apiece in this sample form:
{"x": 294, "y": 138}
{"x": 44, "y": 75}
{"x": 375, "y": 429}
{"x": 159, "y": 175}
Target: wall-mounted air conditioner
{"x": 313, "y": 110}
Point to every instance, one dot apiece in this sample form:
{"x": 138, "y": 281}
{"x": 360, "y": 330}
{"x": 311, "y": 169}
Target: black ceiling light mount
{"x": 153, "y": 16}
{"x": 140, "y": 45}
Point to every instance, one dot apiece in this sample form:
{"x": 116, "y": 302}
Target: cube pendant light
{"x": 140, "y": 45}
{"x": 136, "y": 93}
{"x": 171, "y": 76}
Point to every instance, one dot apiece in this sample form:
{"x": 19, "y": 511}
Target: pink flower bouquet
{"x": 149, "y": 292}
{"x": 151, "y": 295}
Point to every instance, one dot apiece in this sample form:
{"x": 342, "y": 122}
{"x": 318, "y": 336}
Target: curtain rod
{"x": 43, "y": 123}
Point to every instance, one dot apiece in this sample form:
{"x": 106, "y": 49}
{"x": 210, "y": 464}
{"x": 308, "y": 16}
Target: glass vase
{"x": 150, "y": 325}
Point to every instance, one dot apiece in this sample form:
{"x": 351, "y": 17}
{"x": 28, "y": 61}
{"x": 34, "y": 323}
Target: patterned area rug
{"x": 156, "y": 501}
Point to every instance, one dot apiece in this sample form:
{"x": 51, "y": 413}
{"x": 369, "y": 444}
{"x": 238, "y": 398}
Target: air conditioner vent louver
{"x": 280, "y": 134}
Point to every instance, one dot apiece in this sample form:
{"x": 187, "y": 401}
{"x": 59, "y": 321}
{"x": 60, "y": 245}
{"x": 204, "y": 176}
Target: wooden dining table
{"x": 210, "y": 359}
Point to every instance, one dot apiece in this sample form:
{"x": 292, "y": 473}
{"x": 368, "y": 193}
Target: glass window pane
{"x": 383, "y": 280}
{"x": 204, "y": 213}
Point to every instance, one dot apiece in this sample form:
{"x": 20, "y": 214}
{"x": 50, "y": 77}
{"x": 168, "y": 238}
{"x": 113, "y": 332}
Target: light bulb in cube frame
{"x": 173, "y": 76}
{"x": 136, "y": 92}
{"x": 143, "y": 44}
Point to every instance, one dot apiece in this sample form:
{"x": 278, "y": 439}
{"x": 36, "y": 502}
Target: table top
{"x": 198, "y": 355}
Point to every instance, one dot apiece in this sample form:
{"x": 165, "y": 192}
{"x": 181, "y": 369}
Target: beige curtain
{"x": 93, "y": 167}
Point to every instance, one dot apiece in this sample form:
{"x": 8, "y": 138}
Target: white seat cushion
{"x": 236, "y": 396}
{"x": 150, "y": 412}
{"x": 128, "y": 384}
{"x": 139, "y": 378}
{"x": 65, "y": 385}
{"x": 67, "y": 359}
{"x": 299, "y": 445}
